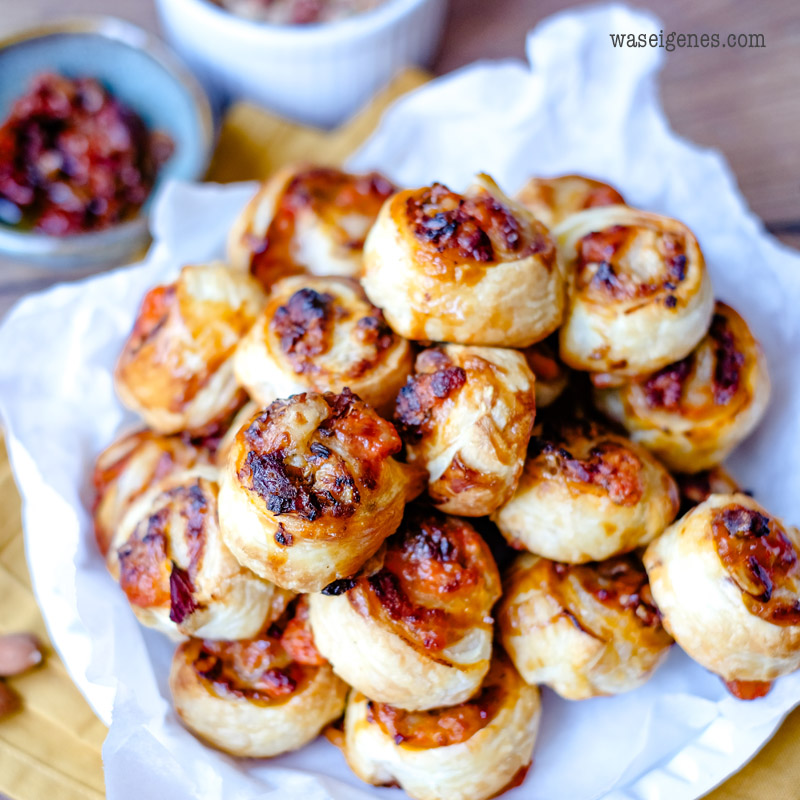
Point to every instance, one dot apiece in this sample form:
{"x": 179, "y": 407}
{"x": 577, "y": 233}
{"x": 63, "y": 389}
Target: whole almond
{"x": 9, "y": 700}
{"x": 19, "y": 652}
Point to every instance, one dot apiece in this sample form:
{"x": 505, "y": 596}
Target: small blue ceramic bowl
{"x": 145, "y": 76}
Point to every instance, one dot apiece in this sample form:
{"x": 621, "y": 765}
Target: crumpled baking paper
{"x": 579, "y": 106}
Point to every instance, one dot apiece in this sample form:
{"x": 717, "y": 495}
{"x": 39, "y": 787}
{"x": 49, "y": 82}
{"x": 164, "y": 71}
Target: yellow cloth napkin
{"x": 51, "y": 749}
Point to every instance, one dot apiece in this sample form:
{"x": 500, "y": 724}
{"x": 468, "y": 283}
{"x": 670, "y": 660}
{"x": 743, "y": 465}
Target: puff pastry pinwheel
{"x": 258, "y": 697}
{"x": 639, "y": 294}
{"x": 552, "y": 377}
{"x": 311, "y": 489}
{"x": 584, "y": 630}
{"x": 726, "y": 578}
{"x": 692, "y": 413}
{"x": 586, "y": 494}
{"x": 128, "y": 467}
{"x": 307, "y": 219}
{"x": 475, "y": 268}
{"x": 178, "y": 575}
{"x": 416, "y": 632}
{"x": 176, "y": 368}
{"x": 322, "y": 333}
{"x": 471, "y": 751}
{"x": 466, "y": 416}
{"x": 552, "y": 200}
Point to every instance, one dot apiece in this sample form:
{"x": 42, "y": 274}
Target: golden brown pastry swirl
{"x": 176, "y": 367}
{"x": 473, "y": 750}
{"x": 475, "y": 268}
{"x": 639, "y": 293}
{"x": 128, "y": 467}
{"x": 466, "y": 417}
{"x": 422, "y": 612}
{"x": 257, "y": 697}
{"x": 175, "y": 570}
{"x": 586, "y": 494}
{"x": 322, "y": 333}
{"x": 307, "y": 219}
{"x": 584, "y": 630}
{"x": 727, "y": 580}
{"x": 311, "y": 489}
{"x": 693, "y": 412}
{"x": 552, "y": 200}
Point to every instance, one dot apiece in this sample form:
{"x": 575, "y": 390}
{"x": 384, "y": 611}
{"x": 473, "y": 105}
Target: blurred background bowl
{"x": 319, "y": 74}
{"x": 139, "y": 71}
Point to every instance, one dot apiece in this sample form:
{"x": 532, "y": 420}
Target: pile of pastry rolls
{"x": 411, "y": 454}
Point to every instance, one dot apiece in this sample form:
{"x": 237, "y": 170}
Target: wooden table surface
{"x": 744, "y": 102}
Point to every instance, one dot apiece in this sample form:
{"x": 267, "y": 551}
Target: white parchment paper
{"x": 579, "y": 106}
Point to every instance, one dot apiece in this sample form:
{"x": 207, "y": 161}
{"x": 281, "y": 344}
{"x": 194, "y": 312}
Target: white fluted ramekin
{"x": 318, "y": 74}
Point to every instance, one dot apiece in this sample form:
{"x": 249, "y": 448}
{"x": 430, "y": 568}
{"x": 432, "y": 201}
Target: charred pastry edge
{"x": 249, "y": 526}
{"x": 272, "y": 365}
{"x": 276, "y": 482}
{"x": 472, "y": 242}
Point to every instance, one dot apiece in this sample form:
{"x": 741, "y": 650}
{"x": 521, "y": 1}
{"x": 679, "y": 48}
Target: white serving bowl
{"x": 318, "y": 74}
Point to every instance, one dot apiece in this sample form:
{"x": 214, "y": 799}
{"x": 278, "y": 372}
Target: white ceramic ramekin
{"x": 318, "y": 74}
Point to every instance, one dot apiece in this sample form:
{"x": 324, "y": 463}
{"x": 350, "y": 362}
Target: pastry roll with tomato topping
{"x": 586, "y": 494}
{"x": 176, "y": 368}
{"x": 475, "y": 268}
{"x": 466, "y": 416}
{"x": 415, "y": 632}
{"x": 693, "y": 413}
{"x": 552, "y": 200}
{"x": 639, "y": 294}
{"x": 177, "y": 573}
{"x": 584, "y": 630}
{"x": 551, "y": 375}
{"x": 727, "y": 581}
{"x": 311, "y": 489}
{"x": 307, "y": 219}
{"x": 257, "y": 697}
{"x": 470, "y": 751}
{"x": 128, "y": 467}
{"x": 322, "y": 334}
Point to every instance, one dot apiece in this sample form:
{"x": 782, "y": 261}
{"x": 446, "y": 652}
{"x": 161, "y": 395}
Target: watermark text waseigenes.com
{"x": 672, "y": 40}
